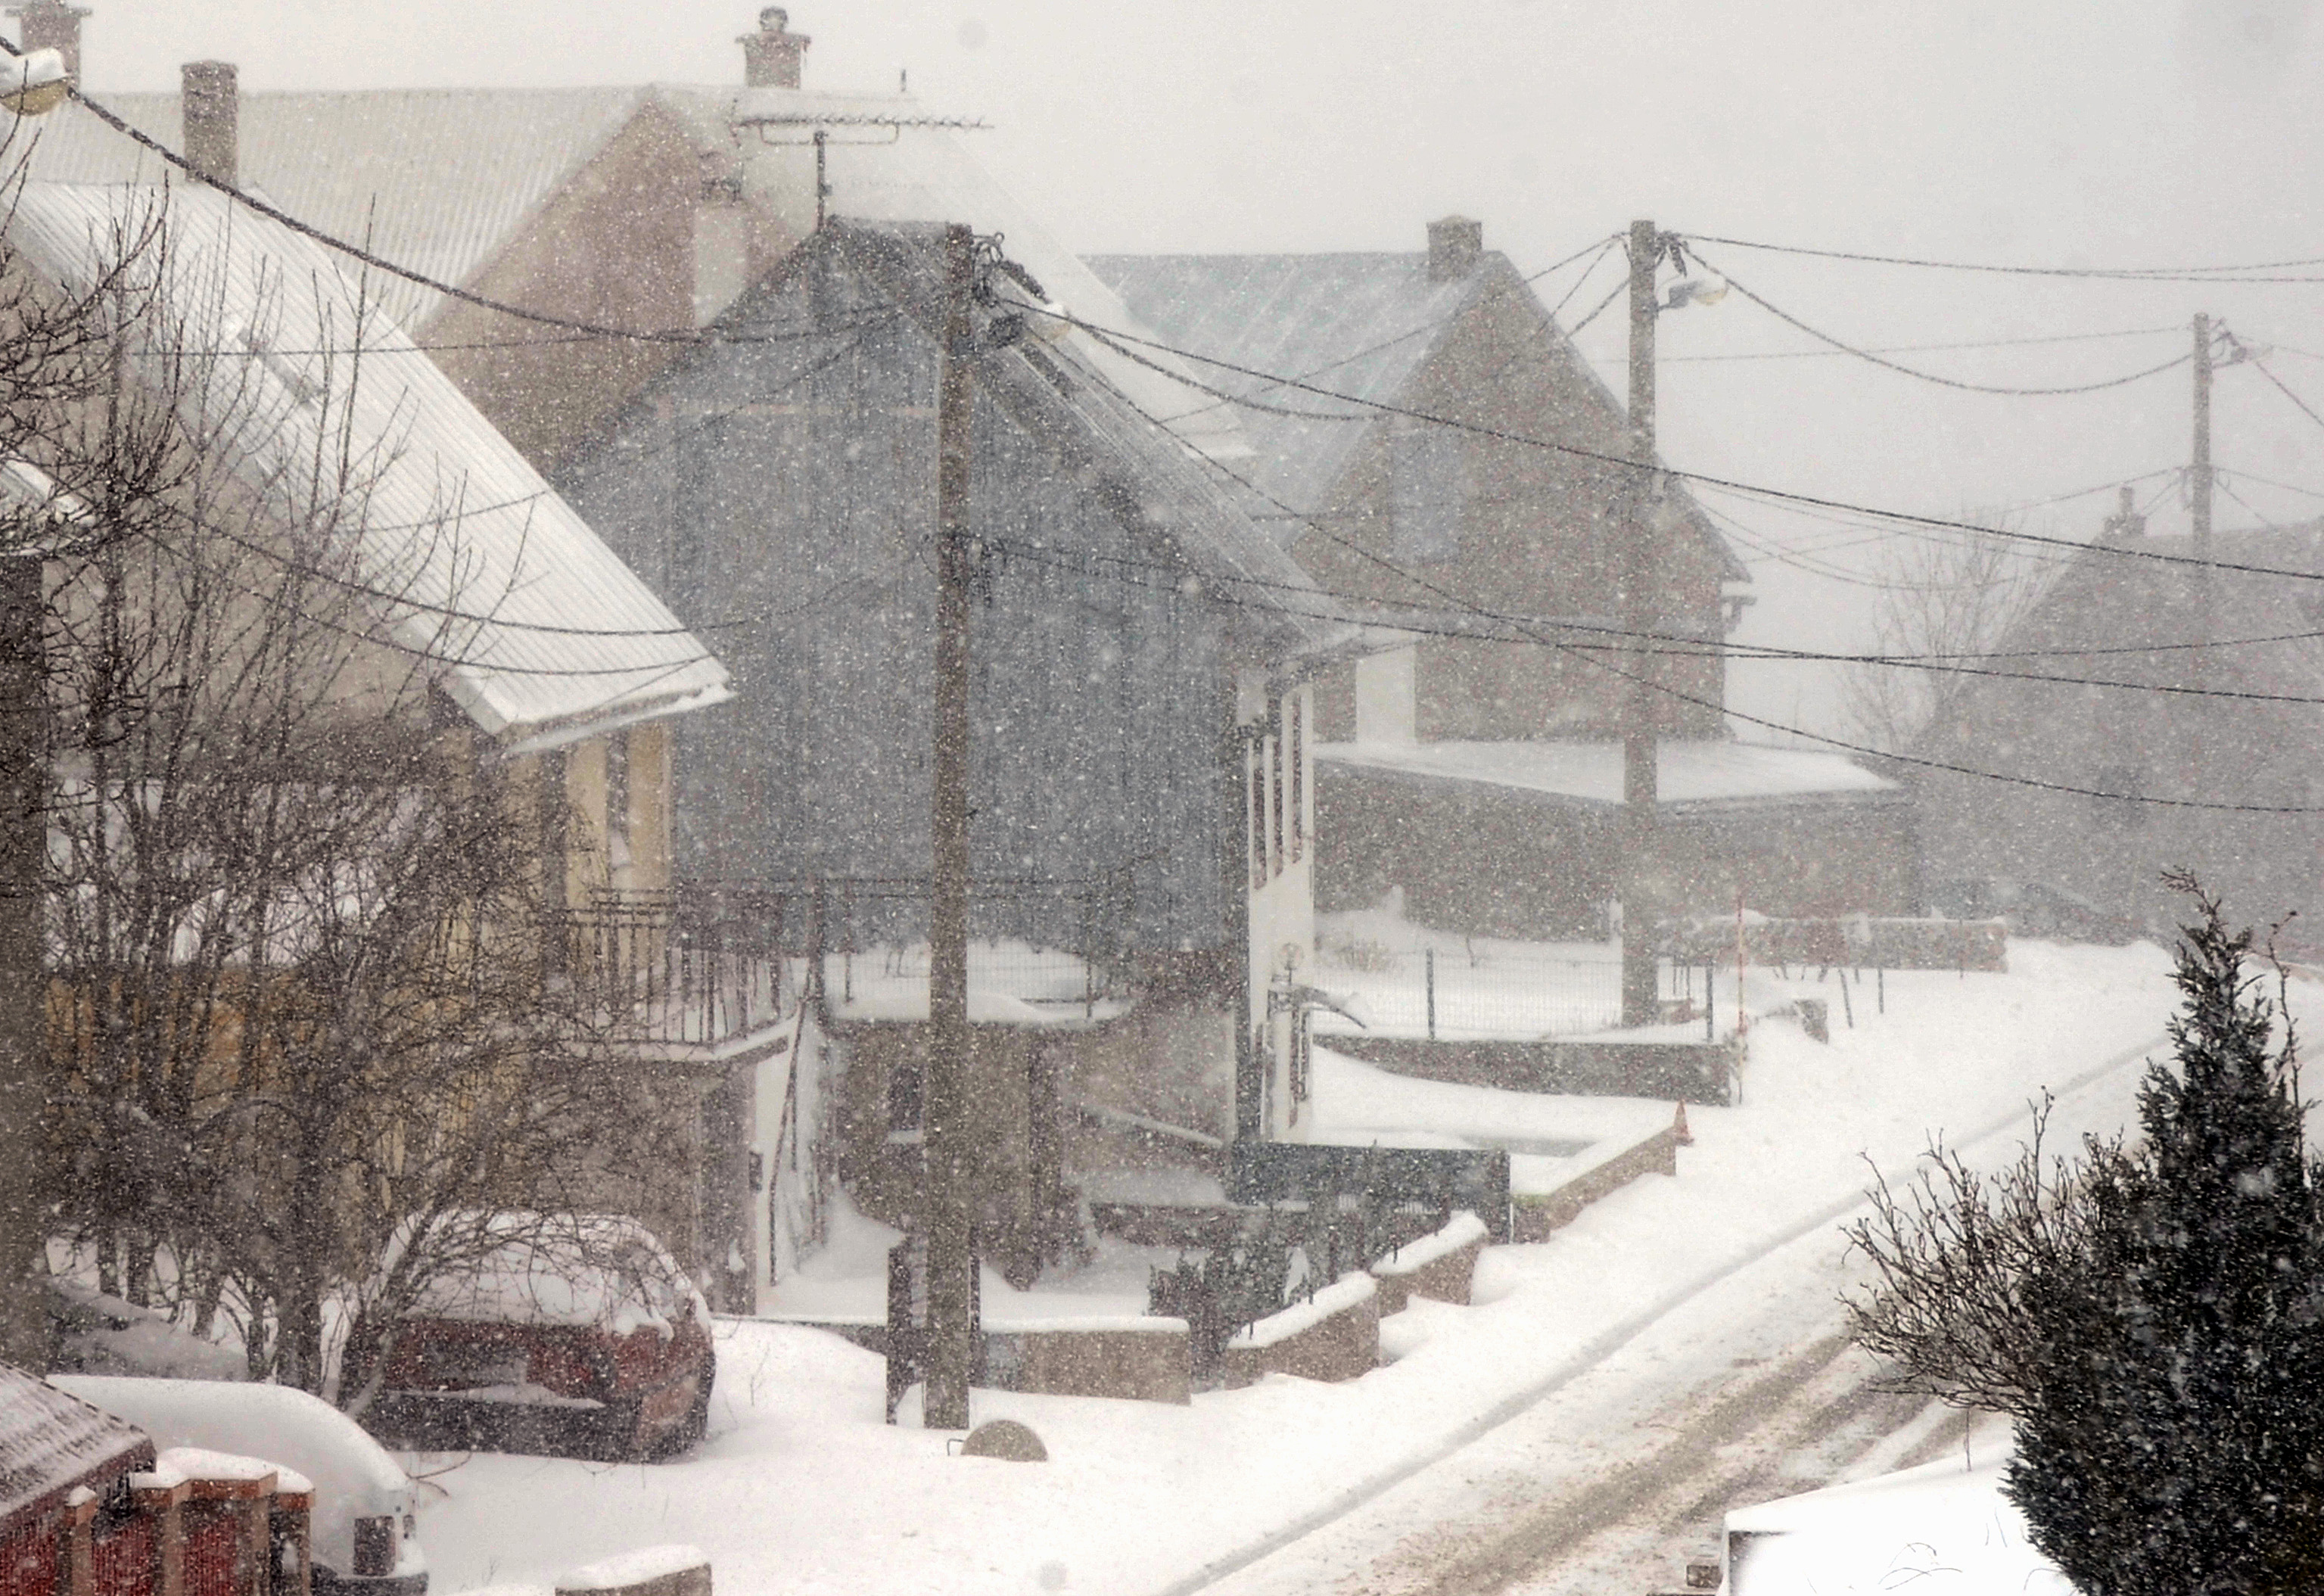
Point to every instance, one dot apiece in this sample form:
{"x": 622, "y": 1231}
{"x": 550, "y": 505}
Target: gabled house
{"x": 1466, "y": 752}
{"x": 2108, "y": 762}
{"x": 764, "y": 454}
{"x": 467, "y": 607}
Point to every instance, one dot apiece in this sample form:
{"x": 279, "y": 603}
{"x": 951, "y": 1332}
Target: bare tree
{"x": 1941, "y": 601}
{"x": 303, "y": 971}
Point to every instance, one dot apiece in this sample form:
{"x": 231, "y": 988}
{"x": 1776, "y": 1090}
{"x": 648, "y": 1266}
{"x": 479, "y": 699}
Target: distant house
{"x": 1462, "y": 754}
{"x": 2108, "y": 778}
{"x": 1144, "y": 805}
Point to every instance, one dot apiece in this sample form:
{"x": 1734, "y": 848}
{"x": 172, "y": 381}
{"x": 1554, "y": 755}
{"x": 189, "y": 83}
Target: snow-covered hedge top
{"x": 514, "y": 1267}
{"x": 199, "y": 1463}
{"x": 352, "y": 1475}
{"x": 633, "y": 1568}
{"x": 1341, "y": 1295}
{"x": 1415, "y": 1256}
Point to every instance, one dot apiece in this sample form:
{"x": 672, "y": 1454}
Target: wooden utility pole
{"x": 952, "y": 1260}
{"x": 24, "y": 986}
{"x": 2199, "y": 475}
{"x": 2200, "y": 480}
{"x": 1641, "y": 998}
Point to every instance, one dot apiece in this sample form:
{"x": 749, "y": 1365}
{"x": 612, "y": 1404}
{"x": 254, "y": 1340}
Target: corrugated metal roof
{"x": 51, "y": 1442}
{"x": 1360, "y": 324}
{"x": 545, "y": 634}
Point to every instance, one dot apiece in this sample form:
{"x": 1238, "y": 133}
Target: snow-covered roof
{"x": 517, "y": 1267}
{"x": 1940, "y": 1529}
{"x": 443, "y": 181}
{"x": 1692, "y": 771}
{"x": 1362, "y": 324}
{"x": 51, "y": 1441}
{"x": 543, "y": 633}
{"x": 353, "y": 1476}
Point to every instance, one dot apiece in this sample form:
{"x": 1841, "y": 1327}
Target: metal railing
{"x": 709, "y": 962}
{"x": 1457, "y": 995}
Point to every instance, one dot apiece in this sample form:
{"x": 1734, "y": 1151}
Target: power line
{"x": 2128, "y": 332}
{"x": 1117, "y": 339}
{"x": 2260, "y": 366}
{"x": 1882, "y": 361}
{"x": 2113, "y": 274}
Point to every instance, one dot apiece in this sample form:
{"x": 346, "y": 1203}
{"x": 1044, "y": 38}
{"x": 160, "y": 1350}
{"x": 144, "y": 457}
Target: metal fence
{"x": 1454, "y": 995}
{"x": 707, "y": 963}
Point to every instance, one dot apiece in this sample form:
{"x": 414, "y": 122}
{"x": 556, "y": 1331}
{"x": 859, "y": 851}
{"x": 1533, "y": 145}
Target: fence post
{"x": 1710, "y": 1000}
{"x": 1429, "y": 956}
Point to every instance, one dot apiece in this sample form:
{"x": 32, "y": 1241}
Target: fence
{"x": 1454, "y": 995}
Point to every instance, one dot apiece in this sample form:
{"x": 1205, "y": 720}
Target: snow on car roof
{"x": 518, "y": 1266}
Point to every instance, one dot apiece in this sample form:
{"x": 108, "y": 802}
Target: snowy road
{"x": 1616, "y": 1473}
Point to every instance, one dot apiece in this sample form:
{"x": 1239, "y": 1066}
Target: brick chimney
{"x": 770, "y": 57}
{"x": 209, "y": 100}
{"x": 51, "y": 24}
{"x": 1453, "y": 246}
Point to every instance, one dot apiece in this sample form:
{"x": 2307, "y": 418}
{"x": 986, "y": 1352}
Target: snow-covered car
{"x": 365, "y": 1522}
{"x": 572, "y": 1334}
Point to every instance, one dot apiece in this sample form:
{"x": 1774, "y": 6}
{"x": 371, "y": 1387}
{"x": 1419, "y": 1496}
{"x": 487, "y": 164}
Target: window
{"x": 618, "y": 853}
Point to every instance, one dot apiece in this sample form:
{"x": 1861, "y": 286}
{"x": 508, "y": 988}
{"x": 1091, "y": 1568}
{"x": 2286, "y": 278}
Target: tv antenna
{"x": 773, "y": 128}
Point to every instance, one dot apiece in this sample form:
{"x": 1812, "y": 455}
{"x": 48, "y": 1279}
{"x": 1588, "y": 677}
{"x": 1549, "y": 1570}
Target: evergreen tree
{"x": 2172, "y": 1443}
{"x": 2149, "y": 1315}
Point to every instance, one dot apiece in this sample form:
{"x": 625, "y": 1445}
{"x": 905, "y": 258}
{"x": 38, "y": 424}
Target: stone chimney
{"x": 209, "y": 101}
{"x": 770, "y": 57}
{"x": 51, "y": 24}
{"x": 1453, "y": 246}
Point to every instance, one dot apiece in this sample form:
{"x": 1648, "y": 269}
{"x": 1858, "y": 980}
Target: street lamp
{"x": 33, "y": 84}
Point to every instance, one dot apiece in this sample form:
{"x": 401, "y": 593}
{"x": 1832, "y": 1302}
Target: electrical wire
{"x": 1118, "y": 339}
{"x": 1843, "y": 347}
{"x": 2119, "y": 274}
{"x": 2128, "y": 332}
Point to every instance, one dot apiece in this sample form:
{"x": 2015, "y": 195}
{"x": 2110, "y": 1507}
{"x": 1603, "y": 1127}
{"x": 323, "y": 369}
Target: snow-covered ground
{"x": 802, "y": 1488}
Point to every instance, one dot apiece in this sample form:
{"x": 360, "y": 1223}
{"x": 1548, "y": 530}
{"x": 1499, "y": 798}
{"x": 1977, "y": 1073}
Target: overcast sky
{"x": 2134, "y": 133}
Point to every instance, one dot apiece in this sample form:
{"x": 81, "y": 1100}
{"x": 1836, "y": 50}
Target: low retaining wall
{"x": 1441, "y": 1266}
{"x": 1334, "y": 1337}
{"x": 652, "y": 1570}
{"x": 1142, "y": 1359}
{"x": 1688, "y": 1072}
{"x": 1535, "y": 1214}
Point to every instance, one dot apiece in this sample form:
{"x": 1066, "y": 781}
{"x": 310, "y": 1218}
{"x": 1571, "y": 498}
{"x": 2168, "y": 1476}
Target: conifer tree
{"x": 2149, "y": 1316}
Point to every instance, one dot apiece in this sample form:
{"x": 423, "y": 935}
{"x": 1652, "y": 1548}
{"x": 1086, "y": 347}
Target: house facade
{"x": 424, "y": 601}
{"x": 2149, "y": 754}
{"x": 1450, "y": 465}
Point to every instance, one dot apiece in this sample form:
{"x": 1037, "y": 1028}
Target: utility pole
{"x": 24, "y": 1004}
{"x": 2198, "y": 477}
{"x": 2199, "y": 494}
{"x": 952, "y": 1260}
{"x": 1641, "y": 1003}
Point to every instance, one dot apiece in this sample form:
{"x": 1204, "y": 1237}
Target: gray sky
{"x": 2122, "y": 132}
